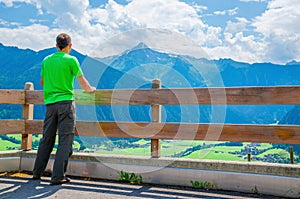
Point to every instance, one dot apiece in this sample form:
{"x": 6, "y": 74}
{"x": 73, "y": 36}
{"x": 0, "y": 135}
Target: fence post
{"x": 27, "y": 114}
{"x": 249, "y": 157}
{"x": 292, "y": 155}
{"x": 155, "y": 117}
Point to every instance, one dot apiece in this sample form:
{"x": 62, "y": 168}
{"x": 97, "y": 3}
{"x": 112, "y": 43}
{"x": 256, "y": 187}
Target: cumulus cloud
{"x": 91, "y": 26}
{"x": 238, "y": 26}
{"x": 275, "y": 35}
{"x": 227, "y": 12}
{"x": 199, "y": 8}
{"x": 239, "y": 47}
{"x": 10, "y": 3}
{"x": 33, "y": 37}
{"x": 69, "y": 14}
{"x": 272, "y": 36}
{"x": 280, "y": 28}
{"x": 253, "y": 1}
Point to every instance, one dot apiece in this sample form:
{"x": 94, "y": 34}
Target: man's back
{"x": 58, "y": 73}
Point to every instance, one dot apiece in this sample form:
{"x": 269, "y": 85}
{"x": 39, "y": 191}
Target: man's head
{"x": 63, "y": 40}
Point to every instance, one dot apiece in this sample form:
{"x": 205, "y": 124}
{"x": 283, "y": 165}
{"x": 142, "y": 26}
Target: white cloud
{"x": 167, "y": 14}
{"x": 253, "y": 0}
{"x": 239, "y": 47}
{"x": 220, "y": 12}
{"x": 276, "y": 38}
{"x": 10, "y": 3}
{"x": 4, "y": 23}
{"x": 34, "y": 37}
{"x": 91, "y": 26}
{"x": 238, "y": 26}
{"x": 281, "y": 18}
{"x": 230, "y": 12}
{"x": 69, "y": 13}
{"x": 199, "y": 8}
{"x": 280, "y": 28}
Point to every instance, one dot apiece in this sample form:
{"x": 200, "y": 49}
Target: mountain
{"x": 180, "y": 71}
{"x": 137, "y": 67}
{"x": 292, "y": 117}
{"x": 258, "y": 74}
{"x": 18, "y": 66}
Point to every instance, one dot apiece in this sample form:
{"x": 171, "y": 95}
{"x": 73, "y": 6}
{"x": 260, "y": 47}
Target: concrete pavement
{"x": 22, "y": 186}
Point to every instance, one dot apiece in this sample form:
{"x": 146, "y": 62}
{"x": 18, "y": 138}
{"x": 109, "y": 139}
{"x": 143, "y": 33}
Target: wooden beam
{"x": 34, "y": 126}
{"x": 12, "y": 97}
{"x": 227, "y": 95}
{"x": 12, "y": 126}
{"x": 34, "y": 97}
{"x": 281, "y": 134}
{"x": 211, "y": 132}
{"x": 263, "y": 95}
{"x": 233, "y": 95}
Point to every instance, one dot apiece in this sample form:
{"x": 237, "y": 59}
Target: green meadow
{"x": 169, "y": 148}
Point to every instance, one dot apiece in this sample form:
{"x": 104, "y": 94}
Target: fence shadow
{"x": 17, "y": 187}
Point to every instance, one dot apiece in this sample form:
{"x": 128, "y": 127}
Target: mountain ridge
{"x": 138, "y": 66}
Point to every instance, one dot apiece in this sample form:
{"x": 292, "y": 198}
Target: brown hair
{"x": 63, "y": 40}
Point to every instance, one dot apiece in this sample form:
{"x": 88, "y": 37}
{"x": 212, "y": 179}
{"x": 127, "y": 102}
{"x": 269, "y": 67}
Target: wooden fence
{"x": 157, "y": 96}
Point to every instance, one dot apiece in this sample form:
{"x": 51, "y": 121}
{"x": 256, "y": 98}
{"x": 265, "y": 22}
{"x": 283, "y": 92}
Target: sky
{"x": 252, "y": 31}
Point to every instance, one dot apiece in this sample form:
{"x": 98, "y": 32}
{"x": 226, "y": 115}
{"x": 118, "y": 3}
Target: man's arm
{"x": 42, "y": 82}
{"x": 85, "y": 85}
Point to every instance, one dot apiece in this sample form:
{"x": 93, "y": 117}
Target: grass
{"x": 142, "y": 142}
{"x": 169, "y": 148}
{"x": 264, "y": 146}
{"x": 282, "y": 153}
{"x": 216, "y": 153}
{"x": 4, "y": 144}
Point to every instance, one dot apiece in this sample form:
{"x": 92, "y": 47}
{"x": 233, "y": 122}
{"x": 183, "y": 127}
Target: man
{"x": 57, "y": 79}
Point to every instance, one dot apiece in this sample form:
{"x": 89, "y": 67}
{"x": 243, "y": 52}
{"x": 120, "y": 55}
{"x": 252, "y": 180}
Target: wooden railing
{"x": 155, "y": 130}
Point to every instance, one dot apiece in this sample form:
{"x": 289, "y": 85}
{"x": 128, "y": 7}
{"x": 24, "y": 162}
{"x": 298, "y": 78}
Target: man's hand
{"x": 85, "y": 85}
{"x": 91, "y": 90}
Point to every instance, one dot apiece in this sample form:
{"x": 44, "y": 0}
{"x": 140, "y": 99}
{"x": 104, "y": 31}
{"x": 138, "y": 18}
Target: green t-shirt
{"x": 59, "y": 71}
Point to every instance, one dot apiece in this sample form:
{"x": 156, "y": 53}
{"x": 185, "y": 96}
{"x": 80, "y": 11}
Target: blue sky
{"x": 244, "y": 30}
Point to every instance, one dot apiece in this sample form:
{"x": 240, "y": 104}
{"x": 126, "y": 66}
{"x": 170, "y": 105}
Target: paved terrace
{"x": 20, "y": 185}
{"x": 95, "y": 176}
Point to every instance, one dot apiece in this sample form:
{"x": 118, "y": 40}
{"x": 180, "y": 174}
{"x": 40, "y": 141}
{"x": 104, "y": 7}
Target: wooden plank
{"x": 228, "y": 95}
{"x": 264, "y": 95}
{"x": 281, "y": 134}
{"x": 34, "y": 126}
{"x": 211, "y": 132}
{"x": 109, "y": 97}
{"x": 34, "y": 97}
{"x": 233, "y": 95}
{"x": 12, "y": 126}
{"x": 12, "y": 97}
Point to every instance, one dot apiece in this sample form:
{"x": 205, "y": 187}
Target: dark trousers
{"x": 60, "y": 117}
